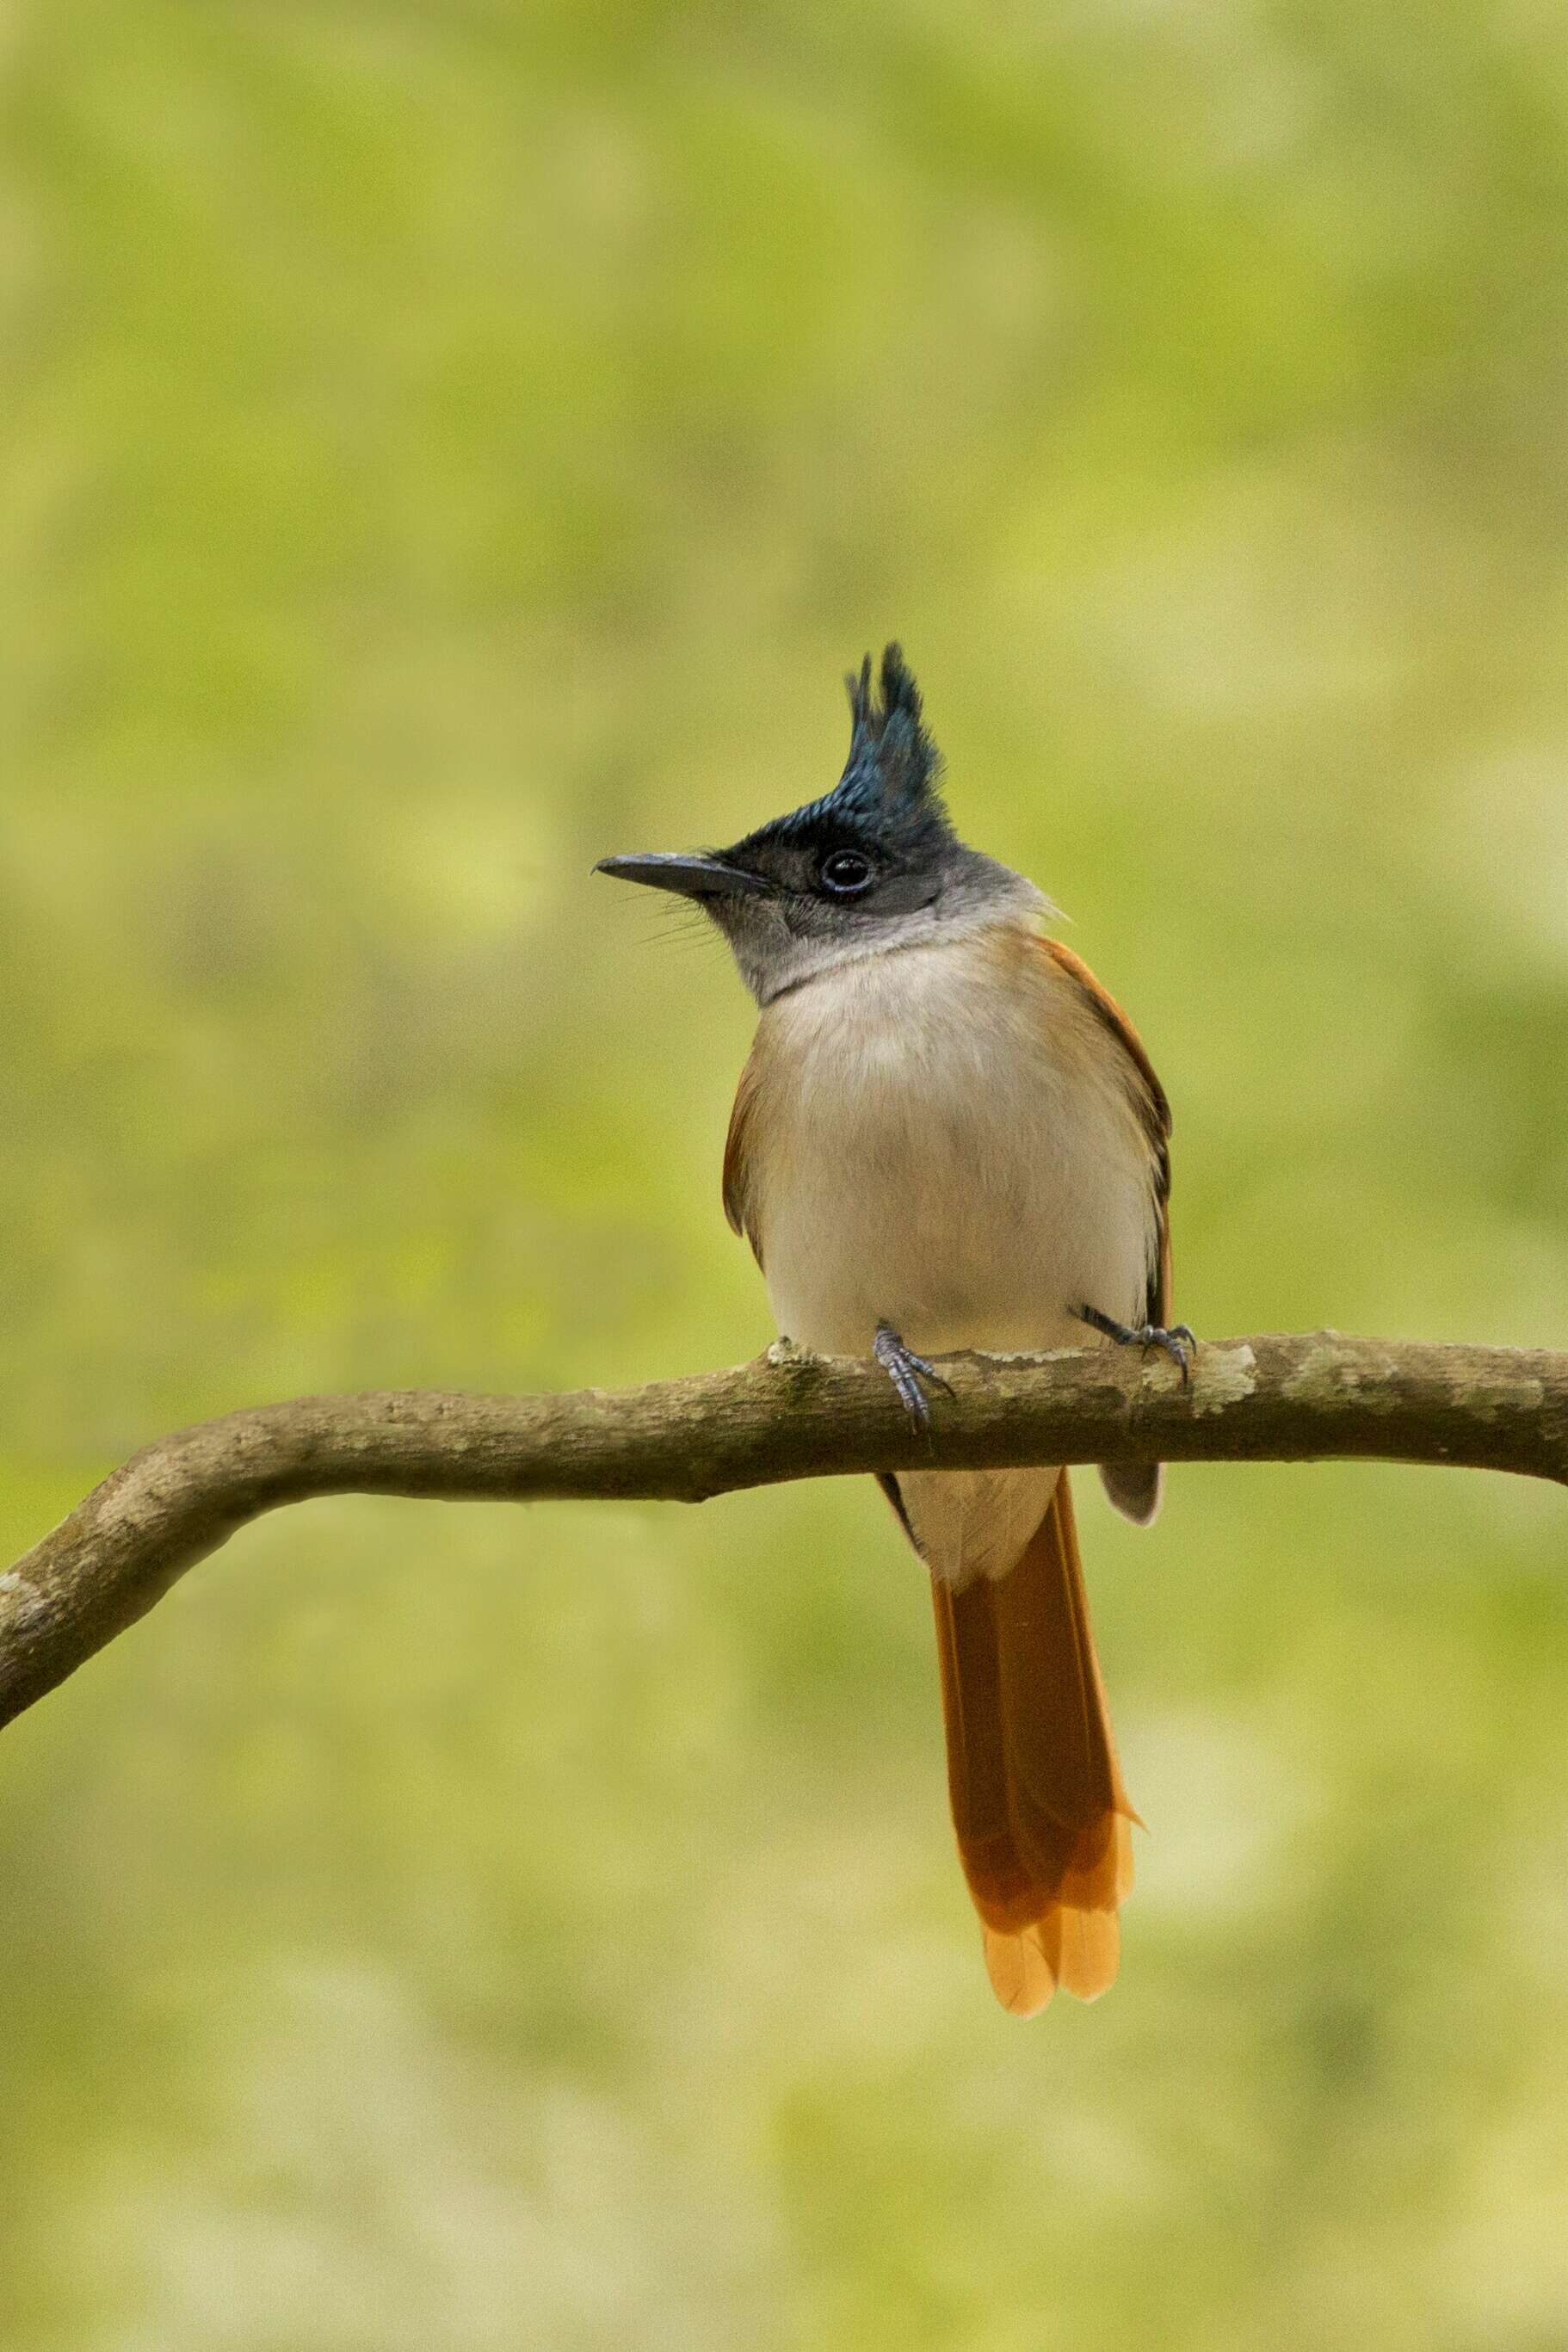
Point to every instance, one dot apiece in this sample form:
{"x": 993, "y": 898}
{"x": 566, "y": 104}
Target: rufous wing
{"x": 737, "y": 1142}
{"x": 1134, "y": 1486}
{"x": 1043, "y": 1821}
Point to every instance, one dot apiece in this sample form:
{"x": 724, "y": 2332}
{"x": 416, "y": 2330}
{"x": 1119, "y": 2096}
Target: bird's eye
{"x": 844, "y": 873}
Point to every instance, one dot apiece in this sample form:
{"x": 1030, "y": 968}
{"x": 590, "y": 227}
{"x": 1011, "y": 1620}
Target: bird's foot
{"x": 907, "y": 1370}
{"x": 1176, "y": 1342}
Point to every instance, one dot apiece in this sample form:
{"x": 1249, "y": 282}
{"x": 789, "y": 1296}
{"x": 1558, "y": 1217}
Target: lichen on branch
{"x": 1275, "y": 1398}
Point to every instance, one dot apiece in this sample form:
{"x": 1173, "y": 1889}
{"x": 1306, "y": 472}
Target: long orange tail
{"x": 1042, "y": 1818}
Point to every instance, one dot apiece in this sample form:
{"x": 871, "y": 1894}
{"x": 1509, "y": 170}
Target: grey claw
{"x": 907, "y": 1370}
{"x": 1174, "y": 1342}
{"x": 927, "y": 1372}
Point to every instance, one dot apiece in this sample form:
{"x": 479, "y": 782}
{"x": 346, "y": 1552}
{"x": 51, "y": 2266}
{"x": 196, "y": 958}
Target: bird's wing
{"x": 1153, "y": 1111}
{"x": 736, "y": 1202}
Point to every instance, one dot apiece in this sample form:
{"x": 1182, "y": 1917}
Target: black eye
{"x": 845, "y": 873}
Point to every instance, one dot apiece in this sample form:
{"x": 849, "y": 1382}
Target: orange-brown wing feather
{"x": 735, "y": 1158}
{"x": 1042, "y": 1818}
{"x": 1134, "y": 1487}
{"x": 1153, "y": 1111}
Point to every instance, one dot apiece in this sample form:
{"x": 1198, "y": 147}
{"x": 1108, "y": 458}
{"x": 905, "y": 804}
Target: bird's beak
{"x": 694, "y": 877}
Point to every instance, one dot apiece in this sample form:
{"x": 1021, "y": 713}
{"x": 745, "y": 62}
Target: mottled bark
{"x": 1271, "y": 1398}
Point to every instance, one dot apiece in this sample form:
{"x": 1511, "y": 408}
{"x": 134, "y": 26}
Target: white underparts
{"x": 948, "y": 1138}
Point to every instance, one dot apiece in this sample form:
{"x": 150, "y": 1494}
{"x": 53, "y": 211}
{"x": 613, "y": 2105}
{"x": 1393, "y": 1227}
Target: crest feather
{"x": 893, "y": 760}
{"x": 888, "y": 796}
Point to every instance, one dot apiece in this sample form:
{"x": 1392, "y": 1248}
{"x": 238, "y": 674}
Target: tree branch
{"x": 786, "y": 1415}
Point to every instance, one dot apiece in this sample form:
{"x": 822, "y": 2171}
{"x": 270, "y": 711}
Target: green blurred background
{"x": 446, "y": 444}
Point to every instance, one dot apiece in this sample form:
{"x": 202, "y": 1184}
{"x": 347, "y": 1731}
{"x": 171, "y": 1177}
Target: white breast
{"x": 945, "y": 1139}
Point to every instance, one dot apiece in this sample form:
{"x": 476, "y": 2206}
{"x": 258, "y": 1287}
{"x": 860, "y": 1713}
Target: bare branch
{"x": 1273, "y": 1399}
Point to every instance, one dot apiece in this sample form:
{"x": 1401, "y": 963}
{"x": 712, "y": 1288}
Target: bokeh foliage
{"x": 445, "y": 444}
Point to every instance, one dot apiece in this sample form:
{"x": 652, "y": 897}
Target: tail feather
{"x": 1043, "y": 1821}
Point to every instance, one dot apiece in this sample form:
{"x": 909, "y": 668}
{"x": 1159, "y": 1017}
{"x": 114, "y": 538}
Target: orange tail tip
{"x": 1043, "y": 1821}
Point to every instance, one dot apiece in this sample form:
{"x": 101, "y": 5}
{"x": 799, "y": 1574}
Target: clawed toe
{"x": 1177, "y": 1342}
{"x": 907, "y": 1370}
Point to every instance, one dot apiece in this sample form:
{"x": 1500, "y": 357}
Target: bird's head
{"x": 873, "y": 864}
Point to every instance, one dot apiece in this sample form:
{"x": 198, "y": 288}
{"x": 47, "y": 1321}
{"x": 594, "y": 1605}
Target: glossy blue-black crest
{"x": 893, "y": 765}
{"x": 889, "y": 795}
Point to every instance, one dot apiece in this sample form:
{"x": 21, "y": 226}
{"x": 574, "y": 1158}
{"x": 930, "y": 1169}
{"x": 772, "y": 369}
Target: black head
{"x": 874, "y": 863}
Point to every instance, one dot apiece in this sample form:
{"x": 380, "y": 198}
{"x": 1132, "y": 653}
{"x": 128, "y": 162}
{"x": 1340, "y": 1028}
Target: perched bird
{"x": 948, "y": 1136}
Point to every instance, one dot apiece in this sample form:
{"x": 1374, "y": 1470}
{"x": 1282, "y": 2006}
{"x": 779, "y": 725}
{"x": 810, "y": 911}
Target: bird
{"x": 948, "y": 1136}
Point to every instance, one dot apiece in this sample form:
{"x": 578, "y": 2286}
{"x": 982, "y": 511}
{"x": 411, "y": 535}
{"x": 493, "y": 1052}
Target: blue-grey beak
{"x": 694, "y": 877}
